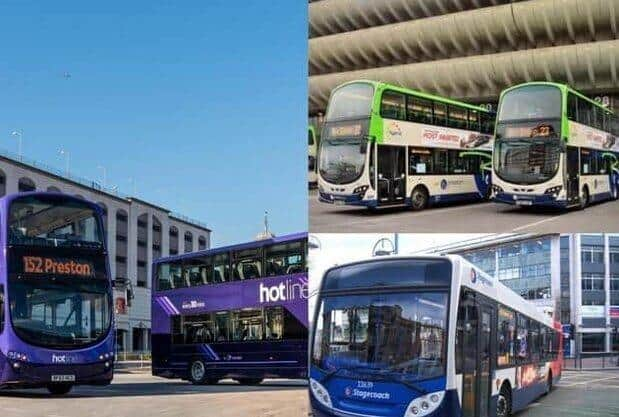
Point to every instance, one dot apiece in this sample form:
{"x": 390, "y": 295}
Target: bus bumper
{"x": 30, "y": 375}
{"x": 346, "y": 200}
{"x": 529, "y": 200}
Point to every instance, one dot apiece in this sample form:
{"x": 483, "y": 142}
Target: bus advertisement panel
{"x": 55, "y": 294}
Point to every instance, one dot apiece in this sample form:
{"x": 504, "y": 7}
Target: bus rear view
{"x": 362, "y": 360}
{"x": 56, "y": 326}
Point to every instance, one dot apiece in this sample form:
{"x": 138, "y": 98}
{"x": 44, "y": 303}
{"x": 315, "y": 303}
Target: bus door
{"x": 477, "y": 352}
{"x": 573, "y": 173}
{"x": 391, "y": 174}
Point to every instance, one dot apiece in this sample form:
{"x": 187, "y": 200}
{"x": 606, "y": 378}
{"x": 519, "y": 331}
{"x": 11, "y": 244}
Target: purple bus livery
{"x": 55, "y": 326}
{"x": 235, "y": 312}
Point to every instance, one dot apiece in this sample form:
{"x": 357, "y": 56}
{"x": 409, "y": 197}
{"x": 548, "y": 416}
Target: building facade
{"x": 137, "y": 233}
{"x": 574, "y": 275}
{"x": 470, "y": 50}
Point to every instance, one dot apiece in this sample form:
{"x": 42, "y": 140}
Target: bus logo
{"x": 348, "y": 391}
{"x": 285, "y": 291}
{"x": 394, "y": 129}
{"x": 443, "y": 184}
{"x": 473, "y": 276}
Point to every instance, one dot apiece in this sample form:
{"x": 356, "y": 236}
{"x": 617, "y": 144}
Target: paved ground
{"x": 484, "y": 217}
{"x": 580, "y": 394}
{"x": 142, "y": 395}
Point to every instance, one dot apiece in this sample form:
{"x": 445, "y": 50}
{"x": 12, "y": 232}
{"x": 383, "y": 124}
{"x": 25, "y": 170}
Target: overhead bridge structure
{"x": 463, "y": 49}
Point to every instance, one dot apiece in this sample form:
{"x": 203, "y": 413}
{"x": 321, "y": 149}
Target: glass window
{"x": 401, "y": 332}
{"x": 593, "y": 342}
{"x": 274, "y": 323}
{"x": 199, "y": 329}
{"x": 440, "y": 114}
{"x": 585, "y": 112}
{"x": 164, "y": 277}
{"x": 535, "y": 341}
{"x": 392, "y": 105}
{"x": 222, "y": 326}
{"x": 572, "y": 107}
{"x": 523, "y": 350}
{"x": 457, "y": 117}
{"x": 486, "y": 121}
{"x": 221, "y": 268}
{"x": 473, "y": 120}
{"x": 350, "y": 101}
{"x": 506, "y": 336}
{"x": 419, "y": 110}
{"x": 420, "y": 161}
{"x": 247, "y": 324}
{"x": 54, "y": 221}
{"x": 285, "y": 258}
{"x": 530, "y": 102}
{"x": 196, "y": 271}
{"x": 592, "y": 282}
{"x": 247, "y": 264}
{"x": 293, "y": 328}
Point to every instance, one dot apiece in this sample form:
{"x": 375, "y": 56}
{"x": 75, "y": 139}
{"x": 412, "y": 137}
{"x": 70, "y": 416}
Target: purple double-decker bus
{"x": 55, "y": 293}
{"x": 235, "y": 312}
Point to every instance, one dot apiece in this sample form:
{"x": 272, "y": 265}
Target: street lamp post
{"x": 19, "y": 134}
{"x": 102, "y": 168}
{"x": 65, "y": 153}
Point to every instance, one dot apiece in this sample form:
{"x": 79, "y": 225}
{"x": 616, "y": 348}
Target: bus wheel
{"x": 197, "y": 372}
{"x": 249, "y": 381}
{"x": 504, "y": 402}
{"x": 584, "y": 198}
{"x": 419, "y": 198}
{"x": 549, "y": 382}
{"x": 59, "y": 389}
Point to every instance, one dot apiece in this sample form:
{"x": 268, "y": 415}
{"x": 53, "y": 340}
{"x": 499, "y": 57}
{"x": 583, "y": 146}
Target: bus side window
{"x": 247, "y": 264}
{"x": 506, "y": 337}
{"x": 474, "y": 120}
{"x": 456, "y": 117}
{"x": 419, "y": 110}
{"x": 420, "y": 161}
{"x": 486, "y": 122}
{"x": 164, "y": 281}
{"x": 572, "y": 107}
{"x": 440, "y": 114}
{"x": 392, "y": 105}
{"x": 584, "y": 112}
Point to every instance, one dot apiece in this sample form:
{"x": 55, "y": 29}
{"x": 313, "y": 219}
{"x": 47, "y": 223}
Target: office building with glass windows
{"x": 576, "y": 276}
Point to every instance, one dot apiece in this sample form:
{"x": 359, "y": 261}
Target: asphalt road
{"x": 142, "y": 395}
{"x": 486, "y": 217}
{"x": 579, "y": 394}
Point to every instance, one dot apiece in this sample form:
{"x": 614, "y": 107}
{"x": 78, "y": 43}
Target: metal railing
{"x": 133, "y": 360}
{"x": 592, "y": 361}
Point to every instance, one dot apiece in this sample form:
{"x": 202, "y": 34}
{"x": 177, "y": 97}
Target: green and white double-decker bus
{"x": 382, "y": 145}
{"x": 554, "y": 147}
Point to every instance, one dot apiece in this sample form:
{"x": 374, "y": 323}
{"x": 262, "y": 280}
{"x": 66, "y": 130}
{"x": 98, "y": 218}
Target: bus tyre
{"x": 584, "y": 198}
{"x": 249, "y": 381}
{"x": 419, "y": 198}
{"x": 504, "y": 402}
{"x": 59, "y": 389}
{"x": 549, "y": 382}
{"x": 197, "y": 372}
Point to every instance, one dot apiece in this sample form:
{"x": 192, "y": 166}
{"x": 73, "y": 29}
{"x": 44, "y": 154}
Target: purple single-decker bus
{"x": 235, "y": 312}
{"x": 55, "y": 293}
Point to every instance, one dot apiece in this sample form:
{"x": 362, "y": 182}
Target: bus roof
{"x": 487, "y": 286}
{"x": 380, "y": 86}
{"x": 240, "y": 246}
{"x": 565, "y": 88}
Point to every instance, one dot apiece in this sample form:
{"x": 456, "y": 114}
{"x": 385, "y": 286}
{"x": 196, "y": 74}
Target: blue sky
{"x": 201, "y": 103}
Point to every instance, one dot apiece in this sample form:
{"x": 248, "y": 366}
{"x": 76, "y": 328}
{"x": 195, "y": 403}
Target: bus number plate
{"x": 63, "y": 378}
{"x": 524, "y": 202}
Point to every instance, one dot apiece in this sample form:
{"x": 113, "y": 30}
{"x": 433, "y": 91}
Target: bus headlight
{"x": 554, "y": 191}
{"x": 320, "y": 393}
{"x": 360, "y": 190}
{"x": 496, "y": 189}
{"x": 425, "y": 405}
